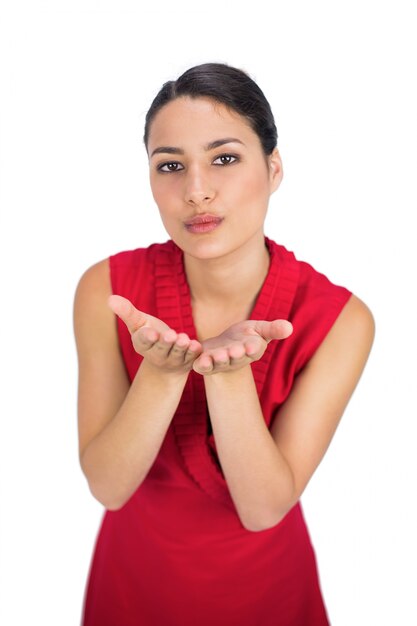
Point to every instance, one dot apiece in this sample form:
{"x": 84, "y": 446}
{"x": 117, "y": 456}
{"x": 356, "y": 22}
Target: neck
{"x": 230, "y": 281}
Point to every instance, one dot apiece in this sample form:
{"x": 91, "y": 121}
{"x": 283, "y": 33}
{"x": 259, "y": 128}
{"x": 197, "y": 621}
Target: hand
{"x": 159, "y": 344}
{"x": 239, "y": 345}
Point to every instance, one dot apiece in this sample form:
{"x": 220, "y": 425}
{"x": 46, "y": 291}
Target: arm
{"x": 267, "y": 471}
{"x": 122, "y": 426}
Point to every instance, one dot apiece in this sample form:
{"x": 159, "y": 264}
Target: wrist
{"x": 169, "y": 376}
{"x": 231, "y": 377}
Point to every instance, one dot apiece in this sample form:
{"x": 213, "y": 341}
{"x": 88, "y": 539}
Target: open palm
{"x": 239, "y": 345}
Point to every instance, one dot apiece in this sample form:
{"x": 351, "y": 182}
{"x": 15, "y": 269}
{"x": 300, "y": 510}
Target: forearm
{"x": 118, "y": 459}
{"x": 259, "y": 478}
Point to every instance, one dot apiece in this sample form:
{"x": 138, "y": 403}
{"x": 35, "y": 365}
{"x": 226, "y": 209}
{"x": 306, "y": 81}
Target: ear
{"x": 275, "y": 170}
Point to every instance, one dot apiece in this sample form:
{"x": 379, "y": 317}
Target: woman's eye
{"x": 227, "y": 156}
{"x": 167, "y": 165}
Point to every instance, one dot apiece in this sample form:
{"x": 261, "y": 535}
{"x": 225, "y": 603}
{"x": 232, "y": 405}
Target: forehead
{"x": 201, "y": 119}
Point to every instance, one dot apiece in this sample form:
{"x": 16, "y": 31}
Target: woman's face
{"x": 233, "y": 181}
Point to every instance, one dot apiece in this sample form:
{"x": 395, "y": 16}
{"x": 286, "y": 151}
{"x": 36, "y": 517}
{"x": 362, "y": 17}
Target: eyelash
{"x": 159, "y": 168}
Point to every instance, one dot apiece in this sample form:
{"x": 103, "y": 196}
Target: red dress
{"x": 177, "y": 554}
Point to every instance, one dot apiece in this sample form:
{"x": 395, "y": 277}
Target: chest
{"x": 211, "y": 322}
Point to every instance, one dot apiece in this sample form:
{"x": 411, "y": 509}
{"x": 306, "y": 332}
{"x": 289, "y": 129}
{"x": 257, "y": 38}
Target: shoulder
{"x": 101, "y": 274}
{"x": 312, "y": 288}
{"x": 358, "y": 313}
{"x": 318, "y": 292}
{"x": 322, "y": 308}
{"x": 94, "y": 279}
{"x": 120, "y": 272}
{"x": 313, "y": 293}
{"x": 315, "y": 286}
{"x": 310, "y": 283}
{"x": 353, "y": 330}
{"x": 130, "y": 269}
{"x": 90, "y": 298}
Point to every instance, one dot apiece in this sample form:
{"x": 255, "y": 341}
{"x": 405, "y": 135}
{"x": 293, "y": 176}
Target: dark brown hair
{"x": 225, "y": 84}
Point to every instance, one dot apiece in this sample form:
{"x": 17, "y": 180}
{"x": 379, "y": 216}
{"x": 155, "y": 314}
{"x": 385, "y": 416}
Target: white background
{"x": 76, "y": 81}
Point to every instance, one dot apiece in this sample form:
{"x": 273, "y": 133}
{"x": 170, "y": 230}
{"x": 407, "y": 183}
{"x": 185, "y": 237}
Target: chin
{"x": 201, "y": 247}
{"x": 204, "y": 250}
{"x": 210, "y": 245}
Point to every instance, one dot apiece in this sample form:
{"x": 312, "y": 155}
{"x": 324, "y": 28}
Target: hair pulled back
{"x": 225, "y": 84}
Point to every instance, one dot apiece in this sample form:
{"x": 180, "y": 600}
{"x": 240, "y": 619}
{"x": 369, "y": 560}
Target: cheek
{"x": 253, "y": 191}
{"x": 163, "y": 195}
{"x": 169, "y": 186}
{"x": 257, "y": 187}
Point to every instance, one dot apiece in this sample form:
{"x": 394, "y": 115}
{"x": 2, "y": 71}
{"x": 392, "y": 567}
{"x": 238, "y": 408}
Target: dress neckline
{"x": 262, "y": 302}
{"x": 173, "y": 304}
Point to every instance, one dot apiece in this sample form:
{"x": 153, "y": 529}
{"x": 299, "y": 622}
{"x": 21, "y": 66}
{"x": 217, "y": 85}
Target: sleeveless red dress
{"x": 177, "y": 554}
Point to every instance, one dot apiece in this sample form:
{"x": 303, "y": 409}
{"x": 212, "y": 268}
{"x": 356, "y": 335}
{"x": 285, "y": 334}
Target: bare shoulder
{"x": 353, "y": 330}
{"x": 358, "y": 313}
{"x": 90, "y": 300}
{"x": 94, "y": 282}
{"x": 94, "y": 322}
{"x": 343, "y": 353}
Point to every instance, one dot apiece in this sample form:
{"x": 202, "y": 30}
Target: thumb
{"x": 131, "y": 316}
{"x": 277, "y": 329}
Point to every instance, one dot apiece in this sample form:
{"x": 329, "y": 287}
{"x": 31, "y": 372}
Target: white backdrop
{"x": 76, "y": 81}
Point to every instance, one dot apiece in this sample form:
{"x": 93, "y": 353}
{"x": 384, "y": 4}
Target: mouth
{"x": 204, "y": 225}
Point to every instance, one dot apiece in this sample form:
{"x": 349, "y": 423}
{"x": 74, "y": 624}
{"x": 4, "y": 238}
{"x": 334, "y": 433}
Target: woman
{"x": 212, "y": 384}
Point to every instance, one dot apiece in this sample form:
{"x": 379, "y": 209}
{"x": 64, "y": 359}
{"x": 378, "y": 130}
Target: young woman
{"x": 213, "y": 371}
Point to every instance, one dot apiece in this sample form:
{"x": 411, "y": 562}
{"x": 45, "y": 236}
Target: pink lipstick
{"x": 203, "y": 223}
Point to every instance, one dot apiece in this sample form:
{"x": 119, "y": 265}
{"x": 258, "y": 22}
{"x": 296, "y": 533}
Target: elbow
{"x": 114, "y": 507}
{"x": 256, "y": 526}
{"x": 101, "y": 492}
{"x": 103, "y": 498}
{"x": 111, "y": 499}
{"x": 268, "y": 518}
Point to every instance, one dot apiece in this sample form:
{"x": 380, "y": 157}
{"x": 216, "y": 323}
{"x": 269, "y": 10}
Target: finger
{"x": 220, "y": 357}
{"x": 252, "y": 348}
{"x": 277, "y": 329}
{"x": 182, "y": 342}
{"x": 195, "y": 346}
{"x": 130, "y": 315}
{"x": 144, "y": 338}
{"x": 165, "y": 343}
{"x": 194, "y": 350}
{"x": 203, "y": 364}
{"x": 180, "y": 348}
{"x": 237, "y": 352}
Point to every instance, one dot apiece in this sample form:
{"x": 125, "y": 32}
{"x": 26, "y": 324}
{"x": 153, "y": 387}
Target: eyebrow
{"x": 210, "y": 146}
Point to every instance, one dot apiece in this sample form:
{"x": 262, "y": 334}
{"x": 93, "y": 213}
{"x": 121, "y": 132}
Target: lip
{"x": 203, "y": 223}
{"x": 205, "y": 218}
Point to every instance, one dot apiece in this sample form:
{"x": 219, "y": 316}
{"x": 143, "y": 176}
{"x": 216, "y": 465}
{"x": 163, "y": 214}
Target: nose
{"x": 197, "y": 187}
